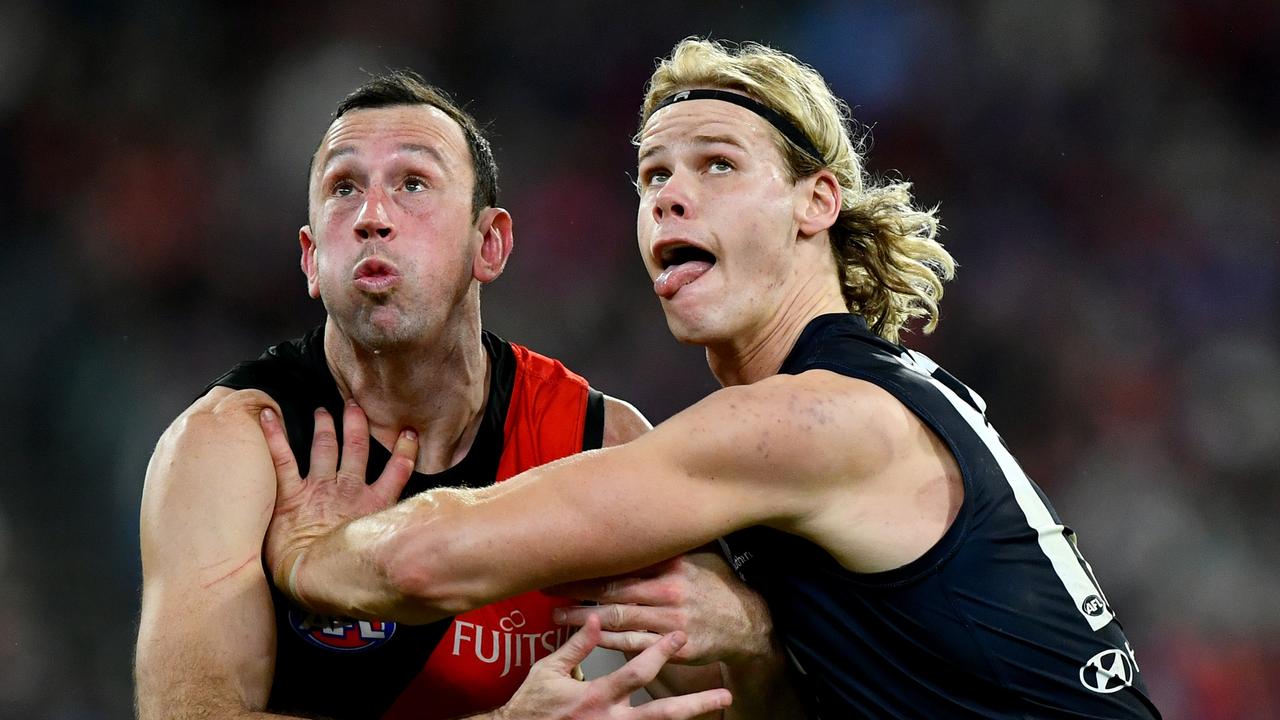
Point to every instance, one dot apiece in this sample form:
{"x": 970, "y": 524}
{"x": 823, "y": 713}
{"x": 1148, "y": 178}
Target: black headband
{"x": 774, "y": 118}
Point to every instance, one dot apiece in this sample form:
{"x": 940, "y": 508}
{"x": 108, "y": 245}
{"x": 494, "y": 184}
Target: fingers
{"x": 404, "y": 457}
{"x": 355, "y": 444}
{"x": 683, "y": 707}
{"x": 622, "y": 617}
{"x": 643, "y": 668}
{"x": 324, "y": 446}
{"x": 288, "y": 481}
{"x": 631, "y": 642}
{"x": 575, "y": 650}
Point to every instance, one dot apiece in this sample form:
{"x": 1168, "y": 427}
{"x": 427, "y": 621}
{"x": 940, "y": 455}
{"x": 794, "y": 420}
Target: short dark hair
{"x": 406, "y": 87}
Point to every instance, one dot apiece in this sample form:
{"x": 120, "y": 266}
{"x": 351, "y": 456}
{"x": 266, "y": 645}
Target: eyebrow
{"x": 428, "y": 150}
{"x": 697, "y": 140}
{"x": 415, "y": 148}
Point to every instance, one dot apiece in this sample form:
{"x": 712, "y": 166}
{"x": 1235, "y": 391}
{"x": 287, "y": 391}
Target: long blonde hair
{"x": 890, "y": 262}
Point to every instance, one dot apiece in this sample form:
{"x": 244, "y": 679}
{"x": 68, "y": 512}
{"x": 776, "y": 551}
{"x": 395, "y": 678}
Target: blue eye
{"x": 720, "y": 165}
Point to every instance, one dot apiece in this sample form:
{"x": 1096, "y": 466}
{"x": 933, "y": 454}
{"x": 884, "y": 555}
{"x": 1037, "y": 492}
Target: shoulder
{"x": 622, "y": 422}
{"x": 218, "y": 411}
{"x": 537, "y": 367}
{"x": 220, "y": 430}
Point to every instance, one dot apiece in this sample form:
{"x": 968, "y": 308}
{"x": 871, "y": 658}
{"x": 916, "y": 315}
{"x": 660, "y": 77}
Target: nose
{"x": 672, "y": 200}
{"x": 374, "y": 220}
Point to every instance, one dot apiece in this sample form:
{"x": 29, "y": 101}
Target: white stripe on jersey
{"x": 1066, "y": 560}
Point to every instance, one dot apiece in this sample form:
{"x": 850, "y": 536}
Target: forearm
{"x": 206, "y": 711}
{"x": 405, "y": 563}
{"x": 450, "y": 550}
{"x": 204, "y": 699}
{"x": 349, "y": 573}
{"x": 184, "y": 686}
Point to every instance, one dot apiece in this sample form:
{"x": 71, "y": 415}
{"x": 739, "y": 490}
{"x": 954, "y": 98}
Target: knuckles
{"x": 681, "y": 618}
{"x": 673, "y": 592}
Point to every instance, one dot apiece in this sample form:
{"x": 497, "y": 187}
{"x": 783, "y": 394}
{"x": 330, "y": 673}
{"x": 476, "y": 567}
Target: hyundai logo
{"x": 1108, "y": 671}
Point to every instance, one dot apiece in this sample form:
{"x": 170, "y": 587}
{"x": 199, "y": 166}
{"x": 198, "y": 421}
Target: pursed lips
{"x": 375, "y": 275}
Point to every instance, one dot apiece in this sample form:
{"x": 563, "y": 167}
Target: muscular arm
{"x": 206, "y": 641}
{"x": 817, "y": 455}
{"x": 446, "y": 551}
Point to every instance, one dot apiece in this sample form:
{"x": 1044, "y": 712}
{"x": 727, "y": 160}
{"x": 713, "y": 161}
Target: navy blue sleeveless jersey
{"x": 1002, "y": 618}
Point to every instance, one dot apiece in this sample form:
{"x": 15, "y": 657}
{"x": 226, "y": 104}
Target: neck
{"x": 437, "y": 386}
{"x": 760, "y": 353}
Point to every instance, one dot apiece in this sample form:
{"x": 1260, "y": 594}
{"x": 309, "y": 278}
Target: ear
{"x": 496, "y": 242}
{"x": 309, "y": 266}
{"x": 819, "y": 206}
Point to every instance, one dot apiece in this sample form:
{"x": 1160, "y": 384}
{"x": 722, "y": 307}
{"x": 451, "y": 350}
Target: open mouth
{"x": 681, "y": 254}
{"x": 682, "y": 264}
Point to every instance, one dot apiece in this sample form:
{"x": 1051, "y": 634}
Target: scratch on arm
{"x": 235, "y": 570}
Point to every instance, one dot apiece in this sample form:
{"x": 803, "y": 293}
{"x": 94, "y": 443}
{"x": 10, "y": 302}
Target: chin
{"x": 693, "y": 330}
{"x": 382, "y": 329}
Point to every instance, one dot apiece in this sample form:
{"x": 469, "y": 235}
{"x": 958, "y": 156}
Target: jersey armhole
{"x": 593, "y": 425}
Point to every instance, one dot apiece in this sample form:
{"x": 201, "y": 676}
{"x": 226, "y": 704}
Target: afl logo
{"x": 340, "y": 634}
{"x": 1093, "y": 606}
{"x": 1108, "y": 671}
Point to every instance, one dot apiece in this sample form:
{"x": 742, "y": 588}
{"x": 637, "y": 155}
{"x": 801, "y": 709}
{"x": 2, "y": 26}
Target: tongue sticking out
{"x": 677, "y": 276}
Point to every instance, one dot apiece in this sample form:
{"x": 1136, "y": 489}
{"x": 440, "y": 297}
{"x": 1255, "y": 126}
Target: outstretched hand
{"x": 551, "y": 693}
{"x": 310, "y": 508}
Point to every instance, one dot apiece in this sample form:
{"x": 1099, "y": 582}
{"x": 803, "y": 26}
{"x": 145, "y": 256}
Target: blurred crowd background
{"x": 1108, "y": 174}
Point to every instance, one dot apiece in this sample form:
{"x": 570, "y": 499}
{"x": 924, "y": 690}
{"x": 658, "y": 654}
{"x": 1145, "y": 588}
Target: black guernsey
{"x": 1002, "y": 618}
{"x": 349, "y": 669}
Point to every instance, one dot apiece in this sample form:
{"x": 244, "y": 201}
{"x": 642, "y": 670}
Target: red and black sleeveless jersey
{"x": 537, "y": 411}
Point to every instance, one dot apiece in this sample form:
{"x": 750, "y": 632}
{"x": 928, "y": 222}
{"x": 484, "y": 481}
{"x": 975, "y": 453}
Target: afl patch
{"x": 341, "y": 634}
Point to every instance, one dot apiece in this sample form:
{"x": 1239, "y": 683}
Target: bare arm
{"x": 781, "y": 452}
{"x": 206, "y": 641}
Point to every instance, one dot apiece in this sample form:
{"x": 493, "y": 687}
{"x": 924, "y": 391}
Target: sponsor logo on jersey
{"x": 505, "y": 645}
{"x": 1110, "y": 670}
{"x": 736, "y": 560}
{"x": 341, "y": 634}
{"x": 1093, "y": 606}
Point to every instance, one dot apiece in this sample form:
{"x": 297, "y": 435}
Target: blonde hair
{"x": 890, "y": 262}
